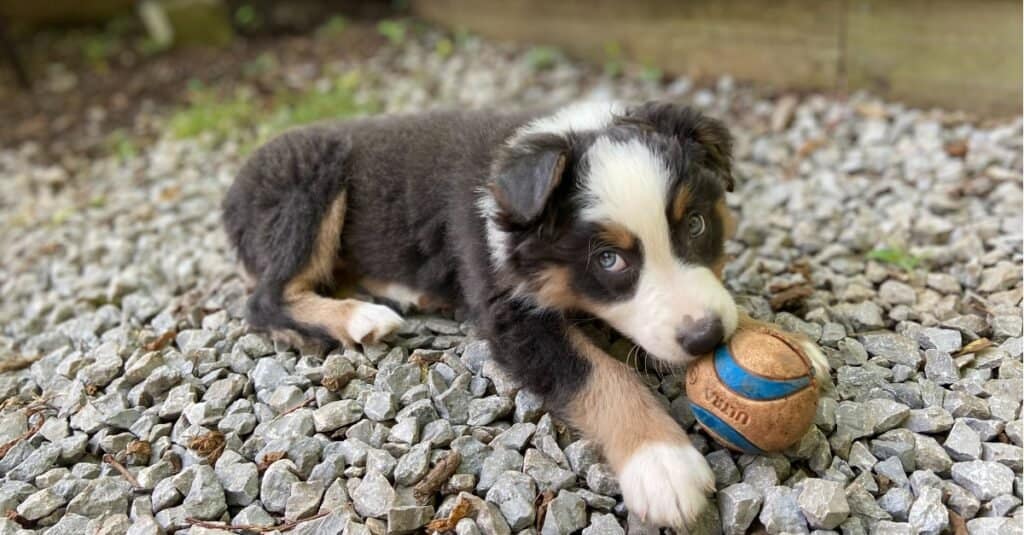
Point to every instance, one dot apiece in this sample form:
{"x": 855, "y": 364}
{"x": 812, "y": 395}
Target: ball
{"x": 756, "y": 393}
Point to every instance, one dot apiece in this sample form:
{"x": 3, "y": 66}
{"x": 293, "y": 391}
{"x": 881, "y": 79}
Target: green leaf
{"x": 896, "y": 257}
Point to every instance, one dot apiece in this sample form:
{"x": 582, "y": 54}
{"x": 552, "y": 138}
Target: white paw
{"x": 666, "y": 484}
{"x": 369, "y": 322}
{"x": 822, "y": 371}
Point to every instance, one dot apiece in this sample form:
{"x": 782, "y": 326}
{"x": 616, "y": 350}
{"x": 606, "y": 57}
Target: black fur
{"x": 413, "y": 184}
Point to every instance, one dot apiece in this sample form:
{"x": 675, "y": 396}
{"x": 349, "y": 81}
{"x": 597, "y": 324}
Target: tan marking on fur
{"x": 728, "y": 220}
{"x": 616, "y": 409}
{"x": 680, "y": 202}
{"x": 303, "y": 303}
{"x": 618, "y": 236}
{"x": 403, "y": 295}
{"x": 553, "y": 289}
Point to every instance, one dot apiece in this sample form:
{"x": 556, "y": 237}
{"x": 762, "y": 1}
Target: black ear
{"x": 526, "y": 174}
{"x": 691, "y": 126}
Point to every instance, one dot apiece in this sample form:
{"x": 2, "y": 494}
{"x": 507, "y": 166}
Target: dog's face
{"x": 621, "y": 216}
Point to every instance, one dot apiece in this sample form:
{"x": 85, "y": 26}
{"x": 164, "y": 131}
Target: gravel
{"x": 119, "y": 283}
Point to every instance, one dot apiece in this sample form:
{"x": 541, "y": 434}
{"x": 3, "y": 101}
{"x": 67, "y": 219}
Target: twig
{"x": 289, "y": 410}
{"x": 6, "y": 447}
{"x": 250, "y": 528}
{"x": 109, "y": 459}
{"x": 432, "y": 482}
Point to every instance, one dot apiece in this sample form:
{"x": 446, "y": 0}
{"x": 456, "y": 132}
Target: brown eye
{"x": 611, "y": 261}
{"x": 695, "y": 225}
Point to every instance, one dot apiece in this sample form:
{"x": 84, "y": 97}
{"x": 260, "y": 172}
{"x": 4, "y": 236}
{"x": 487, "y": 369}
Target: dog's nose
{"x": 702, "y": 336}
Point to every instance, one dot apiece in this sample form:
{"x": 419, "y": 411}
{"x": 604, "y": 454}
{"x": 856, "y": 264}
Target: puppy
{"x": 521, "y": 220}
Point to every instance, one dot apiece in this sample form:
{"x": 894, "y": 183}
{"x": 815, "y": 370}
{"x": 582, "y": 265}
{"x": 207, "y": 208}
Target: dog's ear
{"x": 525, "y": 175}
{"x": 690, "y": 126}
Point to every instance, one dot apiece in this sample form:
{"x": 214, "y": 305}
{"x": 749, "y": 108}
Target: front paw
{"x": 819, "y": 362}
{"x": 666, "y": 483}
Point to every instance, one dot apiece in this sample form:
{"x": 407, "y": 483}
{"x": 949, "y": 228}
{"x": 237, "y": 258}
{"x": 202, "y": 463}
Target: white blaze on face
{"x": 629, "y": 185}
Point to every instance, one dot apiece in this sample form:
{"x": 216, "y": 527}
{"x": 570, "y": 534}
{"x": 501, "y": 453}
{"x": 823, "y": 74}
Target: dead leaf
{"x": 161, "y": 341}
{"x": 975, "y": 346}
{"x": 542, "y": 506}
{"x": 270, "y": 458}
{"x": 957, "y": 148}
{"x": 790, "y": 298}
{"x": 461, "y": 510}
{"x": 208, "y": 446}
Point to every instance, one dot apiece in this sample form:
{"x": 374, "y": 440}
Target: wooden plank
{"x": 787, "y": 42}
{"x": 938, "y": 52}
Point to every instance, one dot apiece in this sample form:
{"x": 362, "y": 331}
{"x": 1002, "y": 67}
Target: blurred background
{"x": 82, "y": 76}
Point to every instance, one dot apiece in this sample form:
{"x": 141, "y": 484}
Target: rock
{"x": 929, "y": 455}
{"x": 960, "y": 501}
{"x": 985, "y": 526}
{"x": 380, "y": 406}
{"x": 580, "y": 455}
{"x": 823, "y": 503}
{"x": 897, "y": 502}
{"x": 603, "y": 524}
{"x": 483, "y": 411}
{"x": 473, "y": 454}
{"x": 723, "y": 467}
{"x": 858, "y": 317}
{"x": 374, "y": 496}
{"x": 566, "y": 513}
{"x": 738, "y": 505}
{"x": 497, "y": 463}
{"x": 408, "y": 519}
{"x": 886, "y": 414}
{"x": 40, "y": 504}
{"x": 963, "y": 442}
{"x": 897, "y": 293}
{"x": 413, "y": 465}
{"x": 984, "y": 479}
{"x": 276, "y": 485}
{"x": 928, "y": 516}
{"x": 944, "y": 340}
{"x": 892, "y": 347}
{"x": 780, "y": 512}
{"x": 514, "y": 493}
{"x": 304, "y": 499}
{"x": 929, "y": 420}
{"x": 101, "y": 496}
{"x": 548, "y": 475}
{"x": 515, "y": 437}
{"x": 601, "y": 479}
{"x": 940, "y": 367}
{"x": 336, "y": 414}
{"x": 205, "y": 499}
{"x": 1006, "y": 454}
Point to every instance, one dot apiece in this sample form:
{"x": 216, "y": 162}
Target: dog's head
{"x": 619, "y": 213}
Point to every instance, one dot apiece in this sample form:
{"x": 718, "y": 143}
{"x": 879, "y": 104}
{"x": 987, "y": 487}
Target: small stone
{"x": 413, "y": 465}
{"x": 497, "y": 463}
{"x": 897, "y": 293}
{"x": 963, "y": 442}
{"x": 304, "y": 499}
{"x": 374, "y": 496}
{"x": 515, "y": 437}
{"x": 601, "y": 479}
{"x": 940, "y": 367}
{"x": 859, "y": 317}
{"x": 928, "y": 516}
{"x": 473, "y": 454}
{"x": 894, "y": 528}
{"x": 486, "y": 410}
{"x": 205, "y": 499}
{"x": 548, "y": 475}
{"x": 986, "y": 526}
{"x": 566, "y": 513}
{"x": 101, "y": 496}
{"x": 514, "y": 493}
{"x": 336, "y": 414}
{"x": 823, "y": 503}
{"x": 725, "y": 470}
{"x": 39, "y": 505}
{"x": 581, "y": 454}
{"x": 240, "y": 481}
{"x": 529, "y": 406}
{"x": 892, "y": 469}
{"x": 1006, "y": 454}
{"x": 929, "y": 420}
{"x": 738, "y": 505}
{"x": 892, "y": 347}
{"x": 603, "y": 524}
{"x": 984, "y": 479}
{"x": 944, "y": 340}
{"x": 780, "y": 512}
{"x": 408, "y": 519}
{"x": 380, "y": 406}
{"x": 886, "y": 414}
{"x": 929, "y": 455}
{"x": 959, "y": 500}
{"x": 276, "y": 485}
{"x": 897, "y": 502}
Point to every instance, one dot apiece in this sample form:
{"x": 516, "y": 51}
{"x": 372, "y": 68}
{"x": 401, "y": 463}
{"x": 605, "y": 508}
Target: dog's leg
{"x": 663, "y": 477}
{"x": 822, "y": 370}
{"x": 348, "y": 321}
{"x": 405, "y": 297}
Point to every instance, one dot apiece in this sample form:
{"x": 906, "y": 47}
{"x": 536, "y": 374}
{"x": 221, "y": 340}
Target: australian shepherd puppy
{"x": 521, "y": 220}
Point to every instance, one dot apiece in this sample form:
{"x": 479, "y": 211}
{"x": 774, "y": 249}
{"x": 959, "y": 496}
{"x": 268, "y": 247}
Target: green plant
{"x": 122, "y": 145}
{"x": 444, "y": 47}
{"x": 541, "y": 58}
{"x": 651, "y": 73}
{"x": 334, "y": 27}
{"x": 247, "y": 18}
{"x": 896, "y": 257}
{"x": 613, "y": 59}
{"x": 394, "y": 30}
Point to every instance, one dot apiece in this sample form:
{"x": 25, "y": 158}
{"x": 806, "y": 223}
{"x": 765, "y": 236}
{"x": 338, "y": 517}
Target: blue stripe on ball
{"x": 717, "y": 426}
{"x": 751, "y": 386}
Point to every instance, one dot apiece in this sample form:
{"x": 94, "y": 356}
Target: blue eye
{"x": 611, "y": 261}
{"x": 695, "y": 225}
